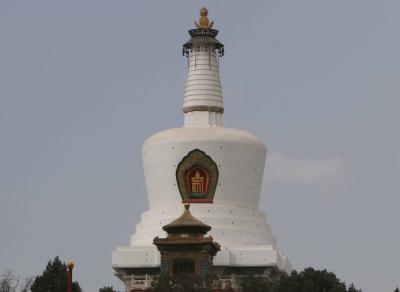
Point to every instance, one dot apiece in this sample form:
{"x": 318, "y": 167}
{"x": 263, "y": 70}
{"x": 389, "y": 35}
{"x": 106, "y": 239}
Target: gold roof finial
{"x": 203, "y": 20}
{"x": 70, "y": 265}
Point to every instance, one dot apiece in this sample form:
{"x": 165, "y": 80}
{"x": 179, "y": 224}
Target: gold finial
{"x": 187, "y": 206}
{"x": 203, "y": 20}
{"x": 70, "y": 265}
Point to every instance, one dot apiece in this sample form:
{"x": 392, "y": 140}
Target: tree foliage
{"x": 313, "y": 280}
{"x": 308, "y": 280}
{"x": 54, "y": 278}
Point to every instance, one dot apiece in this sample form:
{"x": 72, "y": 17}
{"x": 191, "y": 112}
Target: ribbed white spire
{"x": 203, "y": 102}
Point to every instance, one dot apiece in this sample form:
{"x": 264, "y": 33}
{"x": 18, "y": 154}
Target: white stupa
{"x": 218, "y": 170}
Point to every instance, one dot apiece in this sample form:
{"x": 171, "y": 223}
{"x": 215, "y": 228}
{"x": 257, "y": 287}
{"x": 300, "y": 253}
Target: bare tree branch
{"x": 8, "y": 281}
{"x": 26, "y": 285}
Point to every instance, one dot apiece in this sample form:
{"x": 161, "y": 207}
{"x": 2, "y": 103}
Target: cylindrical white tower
{"x": 203, "y": 102}
{"x": 218, "y": 170}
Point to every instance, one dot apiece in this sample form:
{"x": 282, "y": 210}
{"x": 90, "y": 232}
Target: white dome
{"x": 239, "y": 155}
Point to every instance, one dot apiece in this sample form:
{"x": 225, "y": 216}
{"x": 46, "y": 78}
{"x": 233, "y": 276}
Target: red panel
{"x": 197, "y": 201}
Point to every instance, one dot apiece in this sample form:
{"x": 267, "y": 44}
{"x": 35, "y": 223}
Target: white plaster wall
{"x": 202, "y": 119}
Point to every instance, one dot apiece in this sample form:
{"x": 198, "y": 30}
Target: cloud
{"x": 284, "y": 169}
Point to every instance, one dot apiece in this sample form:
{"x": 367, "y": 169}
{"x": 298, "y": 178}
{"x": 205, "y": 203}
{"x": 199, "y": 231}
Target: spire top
{"x": 203, "y": 20}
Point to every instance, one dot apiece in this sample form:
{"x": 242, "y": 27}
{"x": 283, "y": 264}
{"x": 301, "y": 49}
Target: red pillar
{"x": 70, "y": 266}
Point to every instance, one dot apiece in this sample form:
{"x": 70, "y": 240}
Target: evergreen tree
{"x": 308, "y": 280}
{"x": 352, "y": 288}
{"x": 312, "y": 280}
{"x": 255, "y": 284}
{"x": 397, "y": 290}
{"x": 54, "y": 278}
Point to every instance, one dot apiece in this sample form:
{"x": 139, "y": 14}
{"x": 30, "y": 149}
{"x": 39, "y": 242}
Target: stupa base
{"x": 137, "y": 266}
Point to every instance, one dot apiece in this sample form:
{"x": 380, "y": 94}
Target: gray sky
{"x": 83, "y": 83}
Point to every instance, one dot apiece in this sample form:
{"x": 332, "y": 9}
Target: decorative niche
{"x": 197, "y": 177}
